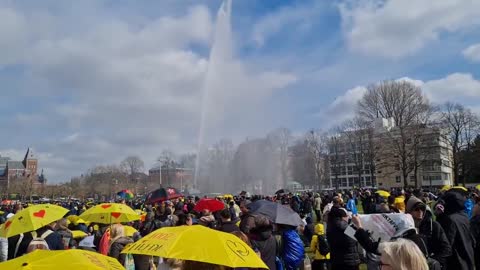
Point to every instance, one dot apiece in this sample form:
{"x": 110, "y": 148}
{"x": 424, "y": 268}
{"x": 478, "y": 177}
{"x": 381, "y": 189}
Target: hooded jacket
{"x": 319, "y": 230}
{"x": 456, "y": 225}
{"x": 436, "y": 240}
{"x": 343, "y": 249}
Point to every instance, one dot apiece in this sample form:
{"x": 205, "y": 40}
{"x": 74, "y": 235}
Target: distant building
{"x": 11, "y": 171}
{"x": 433, "y": 166}
{"x": 180, "y": 178}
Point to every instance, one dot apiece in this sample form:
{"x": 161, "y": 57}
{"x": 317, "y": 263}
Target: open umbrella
{"x": 109, "y": 213}
{"x": 446, "y": 188}
{"x": 276, "y": 212}
{"x": 72, "y": 259}
{"x": 32, "y": 218}
{"x": 210, "y": 204}
{"x": 162, "y": 194}
{"x": 383, "y": 193}
{"x": 126, "y": 194}
{"x": 197, "y": 243}
{"x": 282, "y": 191}
{"x": 78, "y": 234}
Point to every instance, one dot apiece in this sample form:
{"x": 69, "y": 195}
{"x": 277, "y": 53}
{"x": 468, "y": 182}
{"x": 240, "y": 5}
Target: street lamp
{"x": 160, "y": 171}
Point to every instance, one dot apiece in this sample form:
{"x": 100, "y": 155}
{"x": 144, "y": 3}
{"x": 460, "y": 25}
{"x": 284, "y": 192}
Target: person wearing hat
{"x": 343, "y": 249}
{"x": 435, "y": 238}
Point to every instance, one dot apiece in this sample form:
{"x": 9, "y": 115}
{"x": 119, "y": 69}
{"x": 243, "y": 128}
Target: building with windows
{"x": 12, "y": 171}
{"x": 376, "y": 159}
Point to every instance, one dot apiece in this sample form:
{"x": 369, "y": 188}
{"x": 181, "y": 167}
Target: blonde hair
{"x": 117, "y": 231}
{"x": 403, "y": 254}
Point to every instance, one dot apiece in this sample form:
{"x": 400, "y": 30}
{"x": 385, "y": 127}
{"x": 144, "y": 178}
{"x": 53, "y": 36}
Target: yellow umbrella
{"x": 129, "y": 231}
{"x": 32, "y": 218}
{"x": 78, "y": 234}
{"x": 446, "y": 187}
{"x": 477, "y": 187}
{"x": 460, "y": 188}
{"x": 109, "y": 213}
{"x": 383, "y": 193}
{"x": 197, "y": 243}
{"x": 72, "y": 259}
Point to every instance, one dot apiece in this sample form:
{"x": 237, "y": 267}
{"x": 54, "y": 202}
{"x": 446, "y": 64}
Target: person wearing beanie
{"x": 432, "y": 232}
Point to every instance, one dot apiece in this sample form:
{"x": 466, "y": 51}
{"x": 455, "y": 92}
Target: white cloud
{"x": 127, "y": 88}
{"x": 472, "y": 52}
{"x": 456, "y": 87}
{"x": 453, "y": 87}
{"x": 396, "y": 28}
{"x": 344, "y": 106}
{"x": 300, "y": 16}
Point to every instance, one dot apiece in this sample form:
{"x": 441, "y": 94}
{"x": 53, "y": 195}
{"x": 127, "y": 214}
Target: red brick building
{"x": 11, "y": 170}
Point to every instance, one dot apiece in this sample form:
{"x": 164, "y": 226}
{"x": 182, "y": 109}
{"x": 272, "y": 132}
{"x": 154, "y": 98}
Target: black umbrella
{"x": 282, "y": 191}
{"x": 162, "y": 194}
{"x": 276, "y": 212}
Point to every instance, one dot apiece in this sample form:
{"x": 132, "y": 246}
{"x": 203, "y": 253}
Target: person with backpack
{"x": 46, "y": 238}
{"x": 319, "y": 246}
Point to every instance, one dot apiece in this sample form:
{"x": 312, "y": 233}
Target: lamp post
{"x": 160, "y": 171}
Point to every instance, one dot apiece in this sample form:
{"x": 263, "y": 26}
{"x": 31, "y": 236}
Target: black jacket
{"x": 263, "y": 241}
{"x": 436, "y": 240}
{"x": 475, "y": 227}
{"x": 343, "y": 249}
{"x": 456, "y": 225}
{"x": 229, "y": 226}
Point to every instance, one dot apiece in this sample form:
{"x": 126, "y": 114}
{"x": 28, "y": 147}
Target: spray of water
{"x": 220, "y": 55}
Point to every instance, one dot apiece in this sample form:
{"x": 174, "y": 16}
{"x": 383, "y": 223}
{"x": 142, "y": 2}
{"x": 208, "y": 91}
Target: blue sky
{"x": 90, "y": 82}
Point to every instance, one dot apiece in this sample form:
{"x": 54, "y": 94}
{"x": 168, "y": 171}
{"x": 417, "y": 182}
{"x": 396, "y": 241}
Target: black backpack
{"x": 322, "y": 245}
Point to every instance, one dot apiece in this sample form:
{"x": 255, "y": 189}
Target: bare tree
{"x": 279, "y": 142}
{"x": 410, "y": 110}
{"x": 168, "y": 162}
{"x": 133, "y": 165}
{"x": 302, "y": 165}
{"x": 336, "y": 156}
{"x": 317, "y": 147}
{"x": 356, "y": 131}
{"x": 461, "y": 127}
{"x": 220, "y": 156}
{"x": 400, "y": 100}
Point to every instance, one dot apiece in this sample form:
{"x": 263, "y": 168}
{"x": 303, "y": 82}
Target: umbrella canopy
{"x": 108, "y": 213}
{"x": 32, "y": 218}
{"x": 210, "y": 204}
{"x": 129, "y": 231}
{"x": 276, "y": 212}
{"x": 126, "y": 194}
{"x": 162, "y": 194}
{"x": 197, "y": 243}
{"x": 460, "y": 188}
{"x": 78, "y": 234}
{"x": 282, "y": 191}
{"x": 72, "y": 259}
{"x": 446, "y": 187}
{"x": 477, "y": 187}
{"x": 383, "y": 193}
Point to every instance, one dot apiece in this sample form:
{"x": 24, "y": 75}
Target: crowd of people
{"x": 444, "y": 235}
